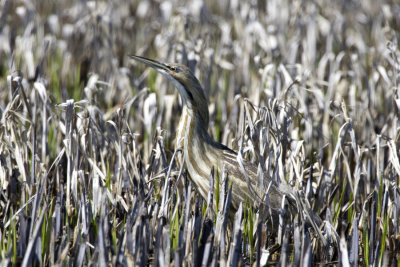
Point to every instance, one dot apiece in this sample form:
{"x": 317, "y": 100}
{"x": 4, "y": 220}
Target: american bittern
{"x": 202, "y": 153}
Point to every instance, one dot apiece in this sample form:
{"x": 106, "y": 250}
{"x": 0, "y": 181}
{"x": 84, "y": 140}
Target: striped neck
{"x": 198, "y": 153}
{"x": 194, "y": 122}
{"x": 180, "y": 134}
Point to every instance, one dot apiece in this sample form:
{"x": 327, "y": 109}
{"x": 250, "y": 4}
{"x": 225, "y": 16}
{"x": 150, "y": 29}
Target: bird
{"x": 201, "y": 153}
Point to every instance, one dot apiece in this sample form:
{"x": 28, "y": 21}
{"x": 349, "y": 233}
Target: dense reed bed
{"x": 307, "y": 90}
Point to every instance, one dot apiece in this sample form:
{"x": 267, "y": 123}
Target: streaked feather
{"x": 201, "y": 153}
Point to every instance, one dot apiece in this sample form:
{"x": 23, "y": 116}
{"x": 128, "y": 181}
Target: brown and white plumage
{"x": 202, "y": 153}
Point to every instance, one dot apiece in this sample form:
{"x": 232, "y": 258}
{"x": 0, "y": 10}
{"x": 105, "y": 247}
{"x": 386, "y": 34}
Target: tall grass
{"x": 308, "y": 90}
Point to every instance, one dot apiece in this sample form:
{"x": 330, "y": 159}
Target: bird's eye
{"x": 172, "y": 68}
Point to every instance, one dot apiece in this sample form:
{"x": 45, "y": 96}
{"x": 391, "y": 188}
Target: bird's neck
{"x": 192, "y": 125}
{"x": 180, "y": 133}
{"x": 198, "y": 154}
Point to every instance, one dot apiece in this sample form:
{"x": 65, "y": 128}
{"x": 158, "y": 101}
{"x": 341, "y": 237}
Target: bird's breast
{"x": 198, "y": 156}
{"x": 180, "y": 133}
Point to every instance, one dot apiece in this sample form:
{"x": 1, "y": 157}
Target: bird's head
{"x": 188, "y": 86}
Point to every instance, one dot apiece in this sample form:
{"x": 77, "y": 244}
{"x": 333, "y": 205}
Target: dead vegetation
{"x": 309, "y": 91}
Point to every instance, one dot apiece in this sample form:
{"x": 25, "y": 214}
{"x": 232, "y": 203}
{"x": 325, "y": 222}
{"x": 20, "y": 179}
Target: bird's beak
{"x": 165, "y": 70}
{"x": 158, "y": 66}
